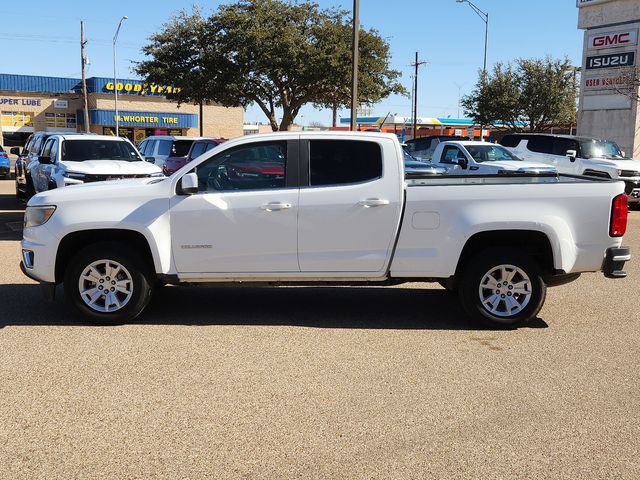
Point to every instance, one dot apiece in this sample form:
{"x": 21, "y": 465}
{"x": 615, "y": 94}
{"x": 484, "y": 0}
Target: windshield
{"x": 600, "y": 150}
{"x": 95, "y": 149}
{"x": 490, "y": 153}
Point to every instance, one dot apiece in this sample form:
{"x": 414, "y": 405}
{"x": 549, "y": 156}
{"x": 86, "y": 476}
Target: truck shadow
{"x": 314, "y": 307}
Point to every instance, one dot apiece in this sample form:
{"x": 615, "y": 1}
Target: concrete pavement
{"x": 320, "y": 383}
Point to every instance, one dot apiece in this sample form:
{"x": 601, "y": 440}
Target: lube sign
{"x": 622, "y": 38}
{"x": 623, "y": 59}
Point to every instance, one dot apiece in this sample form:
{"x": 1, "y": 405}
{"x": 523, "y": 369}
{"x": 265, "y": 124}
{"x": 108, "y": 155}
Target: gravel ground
{"x": 319, "y": 383}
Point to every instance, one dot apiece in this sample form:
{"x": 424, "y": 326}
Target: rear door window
{"x": 180, "y": 148}
{"x": 164, "y": 147}
{"x": 541, "y": 144}
{"x": 340, "y": 162}
{"x": 510, "y": 141}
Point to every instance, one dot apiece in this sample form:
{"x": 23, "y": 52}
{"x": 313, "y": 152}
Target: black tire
{"x": 30, "y": 189}
{"x": 483, "y": 266}
{"x": 19, "y": 194}
{"x": 137, "y": 275}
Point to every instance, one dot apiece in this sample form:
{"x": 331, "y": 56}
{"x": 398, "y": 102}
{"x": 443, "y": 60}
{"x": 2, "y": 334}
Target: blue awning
{"x": 140, "y": 119}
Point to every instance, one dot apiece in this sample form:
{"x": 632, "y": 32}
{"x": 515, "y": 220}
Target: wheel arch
{"x": 75, "y": 241}
{"x": 535, "y": 242}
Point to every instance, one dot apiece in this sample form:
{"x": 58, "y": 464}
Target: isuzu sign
{"x": 611, "y": 61}
{"x": 622, "y": 38}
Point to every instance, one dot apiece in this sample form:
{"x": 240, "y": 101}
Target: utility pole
{"x": 354, "y": 64}
{"x": 416, "y": 64}
{"x": 84, "y": 80}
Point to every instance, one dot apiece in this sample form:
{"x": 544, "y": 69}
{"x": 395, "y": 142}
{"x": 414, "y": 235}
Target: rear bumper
{"x": 614, "y": 261}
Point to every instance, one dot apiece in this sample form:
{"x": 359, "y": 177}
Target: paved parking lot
{"x": 319, "y": 383}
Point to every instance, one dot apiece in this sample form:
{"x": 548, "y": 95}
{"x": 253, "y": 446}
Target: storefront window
{"x": 126, "y": 132}
{"x": 17, "y": 119}
{"x": 60, "y": 120}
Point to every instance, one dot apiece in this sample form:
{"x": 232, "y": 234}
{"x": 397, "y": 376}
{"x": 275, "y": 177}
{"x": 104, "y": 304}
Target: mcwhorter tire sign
{"x": 622, "y": 59}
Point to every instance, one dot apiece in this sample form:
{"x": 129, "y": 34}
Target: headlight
{"x": 36, "y": 216}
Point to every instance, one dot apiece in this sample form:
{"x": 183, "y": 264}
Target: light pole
{"x": 115, "y": 80}
{"x": 354, "y": 64}
{"x": 485, "y": 18}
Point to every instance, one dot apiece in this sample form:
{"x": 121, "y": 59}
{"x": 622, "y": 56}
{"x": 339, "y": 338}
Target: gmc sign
{"x": 611, "y": 61}
{"x": 622, "y": 38}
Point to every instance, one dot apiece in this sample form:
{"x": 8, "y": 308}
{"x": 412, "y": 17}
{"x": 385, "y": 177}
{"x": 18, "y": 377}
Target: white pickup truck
{"x": 323, "y": 208}
{"x": 468, "y": 157}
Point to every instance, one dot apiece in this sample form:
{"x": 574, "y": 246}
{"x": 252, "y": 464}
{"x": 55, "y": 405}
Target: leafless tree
{"x": 628, "y": 83}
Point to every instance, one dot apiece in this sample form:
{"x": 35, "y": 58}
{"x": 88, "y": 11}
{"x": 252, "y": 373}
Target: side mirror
{"x": 189, "y": 184}
{"x": 15, "y": 151}
{"x": 150, "y": 159}
{"x": 572, "y": 154}
{"x": 45, "y": 160}
{"x": 462, "y": 162}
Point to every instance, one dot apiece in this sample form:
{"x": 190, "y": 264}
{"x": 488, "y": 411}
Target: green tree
{"x": 276, "y": 54}
{"x": 532, "y": 94}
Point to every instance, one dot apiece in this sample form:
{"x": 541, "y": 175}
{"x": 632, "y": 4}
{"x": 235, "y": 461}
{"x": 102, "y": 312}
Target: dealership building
{"x": 34, "y": 103}
{"x": 608, "y": 105}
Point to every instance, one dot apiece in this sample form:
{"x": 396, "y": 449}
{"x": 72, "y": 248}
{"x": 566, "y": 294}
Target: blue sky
{"x": 41, "y": 37}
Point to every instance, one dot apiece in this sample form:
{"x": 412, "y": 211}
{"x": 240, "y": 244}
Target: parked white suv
{"x": 76, "y": 158}
{"x": 579, "y": 156}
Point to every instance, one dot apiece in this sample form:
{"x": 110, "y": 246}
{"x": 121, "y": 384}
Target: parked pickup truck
{"x": 468, "y": 157}
{"x": 324, "y": 208}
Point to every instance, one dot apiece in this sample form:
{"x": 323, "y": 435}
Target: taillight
{"x": 619, "y": 211}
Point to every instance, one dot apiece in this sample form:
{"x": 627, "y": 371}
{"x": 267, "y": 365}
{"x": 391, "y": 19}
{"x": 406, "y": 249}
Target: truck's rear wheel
{"x": 502, "y": 288}
{"x": 107, "y": 283}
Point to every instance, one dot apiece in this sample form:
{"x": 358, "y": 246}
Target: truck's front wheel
{"x": 502, "y": 288}
{"x": 107, "y": 283}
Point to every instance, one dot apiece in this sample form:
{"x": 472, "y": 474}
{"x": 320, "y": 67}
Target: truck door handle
{"x": 274, "y": 206}
{"x": 373, "y": 202}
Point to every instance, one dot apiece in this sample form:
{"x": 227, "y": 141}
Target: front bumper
{"x": 614, "y": 261}
{"x": 48, "y": 288}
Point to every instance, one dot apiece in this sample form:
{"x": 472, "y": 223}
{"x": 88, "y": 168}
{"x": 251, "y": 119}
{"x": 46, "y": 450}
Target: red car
{"x": 198, "y": 147}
